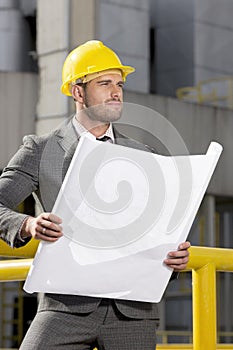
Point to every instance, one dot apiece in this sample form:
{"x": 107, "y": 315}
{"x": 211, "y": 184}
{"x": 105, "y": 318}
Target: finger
{"x": 181, "y": 251}
{"x": 50, "y": 226}
{"x": 184, "y": 245}
{"x": 52, "y": 217}
{"x": 45, "y": 231}
{"x": 49, "y": 221}
{"x": 178, "y": 254}
{"x": 177, "y": 260}
{"x": 179, "y": 268}
{"x": 45, "y": 234}
{"x": 46, "y": 238}
{"x": 177, "y": 264}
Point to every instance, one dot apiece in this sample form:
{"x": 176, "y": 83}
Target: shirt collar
{"x": 81, "y": 130}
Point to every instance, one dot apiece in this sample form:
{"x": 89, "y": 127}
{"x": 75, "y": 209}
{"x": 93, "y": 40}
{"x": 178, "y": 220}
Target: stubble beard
{"x": 103, "y": 113}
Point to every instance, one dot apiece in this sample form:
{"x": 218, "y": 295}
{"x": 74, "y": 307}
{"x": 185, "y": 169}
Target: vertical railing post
{"x": 204, "y": 308}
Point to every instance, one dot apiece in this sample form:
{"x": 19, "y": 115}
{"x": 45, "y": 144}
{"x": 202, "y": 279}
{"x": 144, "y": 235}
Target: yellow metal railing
{"x": 215, "y": 92}
{"x": 6, "y": 308}
{"x": 204, "y": 262}
{"x": 27, "y": 251}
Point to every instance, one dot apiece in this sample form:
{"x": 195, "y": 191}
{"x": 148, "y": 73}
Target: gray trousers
{"x": 105, "y": 328}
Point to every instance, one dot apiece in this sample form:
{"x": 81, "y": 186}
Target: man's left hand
{"x": 178, "y": 259}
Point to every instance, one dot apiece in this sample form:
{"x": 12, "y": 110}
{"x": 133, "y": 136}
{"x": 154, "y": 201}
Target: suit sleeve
{"x": 18, "y": 180}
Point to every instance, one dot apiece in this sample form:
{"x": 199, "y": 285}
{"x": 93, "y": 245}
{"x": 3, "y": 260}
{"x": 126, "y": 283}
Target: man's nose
{"x": 116, "y": 91}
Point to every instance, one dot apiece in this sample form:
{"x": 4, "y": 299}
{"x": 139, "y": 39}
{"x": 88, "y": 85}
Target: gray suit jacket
{"x": 39, "y": 166}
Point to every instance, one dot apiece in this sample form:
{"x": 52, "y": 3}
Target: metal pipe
{"x": 204, "y": 308}
{"x": 27, "y": 251}
{"x": 221, "y": 258}
{"x": 14, "y": 270}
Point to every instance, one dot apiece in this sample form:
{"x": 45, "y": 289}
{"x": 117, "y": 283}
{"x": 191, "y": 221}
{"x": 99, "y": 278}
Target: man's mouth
{"x": 115, "y": 103}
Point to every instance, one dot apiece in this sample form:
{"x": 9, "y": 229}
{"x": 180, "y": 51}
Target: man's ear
{"x": 77, "y": 93}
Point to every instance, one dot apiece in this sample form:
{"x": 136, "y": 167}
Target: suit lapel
{"x": 123, "y": 140}
{"x": 68, "y": 141}
{"x": 55, "y": 161}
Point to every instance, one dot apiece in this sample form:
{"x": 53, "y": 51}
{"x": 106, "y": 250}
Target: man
{"x": 94, "y": 76}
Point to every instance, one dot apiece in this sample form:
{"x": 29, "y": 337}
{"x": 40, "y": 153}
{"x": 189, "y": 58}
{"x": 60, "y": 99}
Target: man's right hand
{"x": 45, "y": 227}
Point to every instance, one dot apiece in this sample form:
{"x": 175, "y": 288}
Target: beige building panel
{"x": 53, "y": 28}
{"x": 215, "y": 12}
{"x": 18, "y": 97}
{"x": 139, "y": 4}
{"x": 44, "y": 126}
{"x": 217, "y": 56}
{"x": 82, "y": 21}
{"x": 198, "y": 126}
{"x": 51, "y": 101}
{"x": 155, "y": 102}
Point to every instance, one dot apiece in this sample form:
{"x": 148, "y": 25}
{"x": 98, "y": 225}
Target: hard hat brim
{"x": 66, "y": 87}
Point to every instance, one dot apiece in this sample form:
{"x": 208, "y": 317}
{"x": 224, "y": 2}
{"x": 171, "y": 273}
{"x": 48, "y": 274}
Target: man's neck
{"x": 94, "y": 127}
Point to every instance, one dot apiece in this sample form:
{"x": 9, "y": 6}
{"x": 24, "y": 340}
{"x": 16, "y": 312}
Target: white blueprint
{"x": 123, "y": 210}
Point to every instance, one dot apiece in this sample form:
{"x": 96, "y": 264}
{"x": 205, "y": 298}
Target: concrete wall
{"x": 213, "y": 38}
{"x": 62, "y": 25}
{"x": 82, "y": 21}
{"x": 28, "y": 7}
{"x": 172, "y": 45}
{"x": 52, "y": 48}
{"x": 198, "y": 126}
{"x": 18, "y": 98}
{"x": 15, "y": 39}
{"x": 123, "y": 25}
{"x": 193, "y": 42}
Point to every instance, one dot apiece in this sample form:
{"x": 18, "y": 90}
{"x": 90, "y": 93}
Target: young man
{"x": 94, "y": 76}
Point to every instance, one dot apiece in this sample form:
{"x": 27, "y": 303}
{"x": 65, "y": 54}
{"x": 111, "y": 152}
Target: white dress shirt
{"x": 81, "y": 130}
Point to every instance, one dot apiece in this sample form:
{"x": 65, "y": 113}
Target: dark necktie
{"x": 105, "y": 138}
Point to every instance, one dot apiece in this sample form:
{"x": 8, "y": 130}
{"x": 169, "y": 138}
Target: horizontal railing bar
{"x": 222, "y": 258}
{"x": 190, "y": 346}
{"x": 14, "y": 270}
{"x": 17, "y": 270}
{"x": 27, "y": 251}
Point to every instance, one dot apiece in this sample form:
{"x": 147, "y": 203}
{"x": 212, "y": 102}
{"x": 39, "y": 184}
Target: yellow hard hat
{"x": 89, "y": 58}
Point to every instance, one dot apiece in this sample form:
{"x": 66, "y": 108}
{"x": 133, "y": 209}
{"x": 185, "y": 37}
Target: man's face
{"x": 103, "y": 98}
